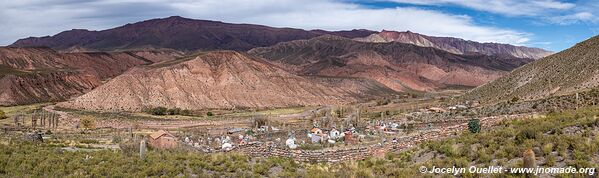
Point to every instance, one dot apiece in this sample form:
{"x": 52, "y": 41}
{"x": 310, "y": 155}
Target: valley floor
{"x": 97, "y": 144}
{"x": 559, "y": 139}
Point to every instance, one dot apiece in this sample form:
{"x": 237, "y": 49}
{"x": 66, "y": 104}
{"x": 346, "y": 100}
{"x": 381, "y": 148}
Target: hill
{"x": 221, "y": 79}
{"x": 32, "y": 75}
{"x": 455, "y": 45}
{"x": 177, "y": 33}
{"x": 572, "y": 70}
{"x": 399, "y": 66}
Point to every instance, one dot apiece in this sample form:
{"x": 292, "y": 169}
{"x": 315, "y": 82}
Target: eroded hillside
{"x": 223, "y": 79}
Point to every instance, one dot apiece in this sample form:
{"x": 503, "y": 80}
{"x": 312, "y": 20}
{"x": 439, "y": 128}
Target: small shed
{"x": 163, "y": 140}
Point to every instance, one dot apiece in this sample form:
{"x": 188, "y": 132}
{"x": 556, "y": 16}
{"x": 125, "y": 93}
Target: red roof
{"x": 314, "y": 130}
{"x": 159, "y": 134}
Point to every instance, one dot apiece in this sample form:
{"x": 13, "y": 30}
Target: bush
{"x": 186, "y": 112}
{"x": 474, "y": 126}
{"x": 550, "y": 160}
{"x": 158, "y": 111}
{"x": 129, "y": 147}
{"x": 87, "y": 123}
{"x": 548, "y": 148}
{"x": 259, "y": 121}
{"x": 174, "y": 111}
{"x": 527, "y": 133}
{"x": 210, "y": 114}
{"x": 2, "y": 115}
{"x": 117, "y": 139}
{"x": 515, "y": 99}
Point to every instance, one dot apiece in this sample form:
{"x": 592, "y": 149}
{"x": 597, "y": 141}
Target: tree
{"x": 209, "y": 114}
{"x": 474, "y": 125}
{"x": 2, "y": 115}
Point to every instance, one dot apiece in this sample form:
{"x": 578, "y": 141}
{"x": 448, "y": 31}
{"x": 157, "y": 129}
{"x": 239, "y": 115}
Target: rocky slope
{"x": 221, "y": 79}
{"x": 177, "y": 33}
{"x": 455, "y": 45}
{"x": 399, "y": 66}
{"x": 31, "y": 75}
{"x": 566, "y": 72}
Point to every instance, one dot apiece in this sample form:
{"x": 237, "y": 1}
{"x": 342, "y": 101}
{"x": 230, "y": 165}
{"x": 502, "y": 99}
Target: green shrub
{"x": 87, "y": 123}
{"x": 2, "y": 115}
{"x": 174, "y": 111}
{"x": 474, "y": 125}
{"x": 550, "y": 160}
{"x": 209, "y": 113}
{"x": 159, "y": 111}
{"x": 547, "y": 148}
{"x": 186, "y": 112}
{"x": 515, "y": 99}
{"x": 117, "y": 139}
{"x": 527, "y": 133}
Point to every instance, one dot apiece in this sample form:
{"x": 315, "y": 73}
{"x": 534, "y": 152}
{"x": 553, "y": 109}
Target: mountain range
{"x": 177, "y": 33}
{"x": 200, "y": 64}
{"x": 455, "y": 45}
{"x": 399, "y": 66}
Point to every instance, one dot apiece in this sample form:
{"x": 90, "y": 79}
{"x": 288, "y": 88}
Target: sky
{"x": 550, "y": 24}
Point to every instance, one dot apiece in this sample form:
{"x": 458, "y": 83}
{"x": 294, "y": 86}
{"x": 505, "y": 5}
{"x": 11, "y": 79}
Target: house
{"x": 348, "y": 137}
{"x": 334, "y": 134}
{"x": 163, "y": 140}
{"x": 315, "y": 138}
{"x": 291, "y": 143}
{"x": 316, "y": 131}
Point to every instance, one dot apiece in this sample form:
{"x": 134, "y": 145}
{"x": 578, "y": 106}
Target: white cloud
{"x": 574, "y": 18}
{"x": 505, "y": 7}
{"x": 39, "y": 18}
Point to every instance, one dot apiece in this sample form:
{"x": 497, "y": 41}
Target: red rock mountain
{"x": 221, "y": 79}
{"x": 399, "y": 66}
{"x": 32, "y": 75}
{"x": 455, "y": 45}
{"x": 178, "y": 33}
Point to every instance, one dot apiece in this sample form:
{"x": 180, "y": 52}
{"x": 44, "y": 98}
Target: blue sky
{"x": 551, "y": 24}
{"x": 543, "y": 28}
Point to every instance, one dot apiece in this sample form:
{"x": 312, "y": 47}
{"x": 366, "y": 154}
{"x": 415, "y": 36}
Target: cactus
{"x": 528, "y": 158}
{"x": 142, "y": 149}
{"x": 474, "y": 126}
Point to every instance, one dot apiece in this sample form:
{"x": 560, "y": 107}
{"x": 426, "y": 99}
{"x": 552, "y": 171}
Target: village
{"x": 321, "y": 134}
